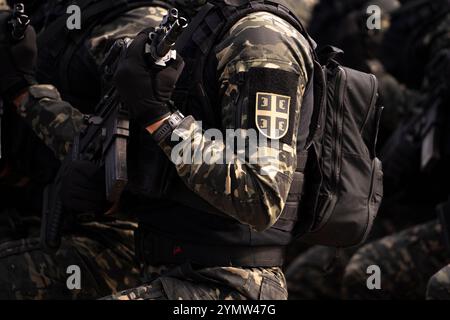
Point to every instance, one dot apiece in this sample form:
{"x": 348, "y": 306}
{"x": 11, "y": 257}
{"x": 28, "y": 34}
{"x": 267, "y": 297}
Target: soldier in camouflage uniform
{"x": 103, "y": 251}
{"x": 195, "y": 263}
{"x": 344, "y": 25}
{"x": 408, "y": 259}
{"x": 280, "y": 49}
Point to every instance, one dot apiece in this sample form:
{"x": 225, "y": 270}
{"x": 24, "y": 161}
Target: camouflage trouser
{"x": 439, "y": 285}
{"x": 224, "y": 283}
{"x": 406, "y": 260}
{"x": 104, "y": 254}
{"x": 318, "y": 272}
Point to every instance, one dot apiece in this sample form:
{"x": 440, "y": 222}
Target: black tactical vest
{"x": 184, "y": 227}
{"x": 63, "y": 58}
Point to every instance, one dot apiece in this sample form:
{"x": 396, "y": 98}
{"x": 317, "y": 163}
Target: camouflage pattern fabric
{"x": 185, "y": 283}
{"x": 103, "y": 252}
{"x": 55, "y": 121}
{"x": 407, "y": 260}
{"x": 260, "y": 40}
{"x": 439, "y": 285}
{"x": 317, "y": 273}
{"x": 283, "y": 48}
{"x": 128, "y": 25}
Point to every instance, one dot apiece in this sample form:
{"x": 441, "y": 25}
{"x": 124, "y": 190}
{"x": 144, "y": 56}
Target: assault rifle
{"x": 104, "y": 141}
{"x": 162, "y": 40}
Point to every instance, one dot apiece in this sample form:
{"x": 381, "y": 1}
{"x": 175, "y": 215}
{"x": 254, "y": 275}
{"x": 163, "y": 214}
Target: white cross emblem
{"x": 272, "y": 114}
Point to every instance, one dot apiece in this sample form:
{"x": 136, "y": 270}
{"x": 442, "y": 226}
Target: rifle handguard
{"x": 163, "y": 39}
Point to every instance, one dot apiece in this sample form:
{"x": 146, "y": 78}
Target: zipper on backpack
{"x": 338, "y": 124}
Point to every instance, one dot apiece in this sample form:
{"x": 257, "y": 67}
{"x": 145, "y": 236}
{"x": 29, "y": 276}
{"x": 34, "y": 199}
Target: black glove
{"x": 145, "y": 88}
{"x": 83, "y": 189}
{"x": 17, "y": 59}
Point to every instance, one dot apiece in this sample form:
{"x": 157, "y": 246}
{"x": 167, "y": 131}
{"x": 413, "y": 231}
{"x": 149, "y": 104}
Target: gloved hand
{"x": 17, "y": 59}
{"x": 145, "y": 88}
{"x": 83, "y": 189}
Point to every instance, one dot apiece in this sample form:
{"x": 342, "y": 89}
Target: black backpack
{"x": 343, "y": 177}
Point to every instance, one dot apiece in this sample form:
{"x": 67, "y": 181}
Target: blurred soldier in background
{"x": 303, "y": 9}
{"x": 344, "y": 24}
{"x": 316, "y": 273}
{"x": 70, "y": 61}
{"x": 415, "y": 159}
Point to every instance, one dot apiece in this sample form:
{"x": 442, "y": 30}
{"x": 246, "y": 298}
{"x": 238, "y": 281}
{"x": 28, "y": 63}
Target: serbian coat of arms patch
{"x": 272, "y": 114}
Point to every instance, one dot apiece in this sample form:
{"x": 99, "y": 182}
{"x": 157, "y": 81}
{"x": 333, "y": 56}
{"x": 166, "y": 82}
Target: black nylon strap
{"x": 193, "y": 25}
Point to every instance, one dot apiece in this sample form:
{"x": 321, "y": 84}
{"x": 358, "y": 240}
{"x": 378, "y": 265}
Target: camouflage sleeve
{"x": 259, "y": 52}
{"x": 126, "y": 26}
{"x": 54, "y": 121}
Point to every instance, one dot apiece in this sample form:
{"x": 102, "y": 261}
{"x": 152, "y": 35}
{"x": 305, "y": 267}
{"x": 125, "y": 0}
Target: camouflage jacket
{"x": 238, "y": 189}
{"x": 266, "y": 43}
